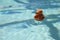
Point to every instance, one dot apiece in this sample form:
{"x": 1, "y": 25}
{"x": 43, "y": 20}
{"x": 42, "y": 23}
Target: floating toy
{"x": 39, "y": 15}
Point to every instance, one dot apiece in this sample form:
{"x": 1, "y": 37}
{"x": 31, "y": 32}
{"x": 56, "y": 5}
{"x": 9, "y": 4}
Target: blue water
{"x": 17, "y": 20}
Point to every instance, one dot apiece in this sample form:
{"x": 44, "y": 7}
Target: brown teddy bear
{"x": 39, "y": 15}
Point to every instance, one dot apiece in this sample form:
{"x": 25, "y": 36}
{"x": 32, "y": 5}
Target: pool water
{"x": 17, "y": 20}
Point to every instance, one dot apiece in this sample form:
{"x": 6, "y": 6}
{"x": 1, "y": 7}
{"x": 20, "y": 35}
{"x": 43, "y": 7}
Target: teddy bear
{"x": 39, "y": 15}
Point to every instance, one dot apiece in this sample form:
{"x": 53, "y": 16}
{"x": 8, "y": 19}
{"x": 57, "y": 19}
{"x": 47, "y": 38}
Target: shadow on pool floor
{"x": 53, "y": 30}
{"x": 33, "y": 4}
